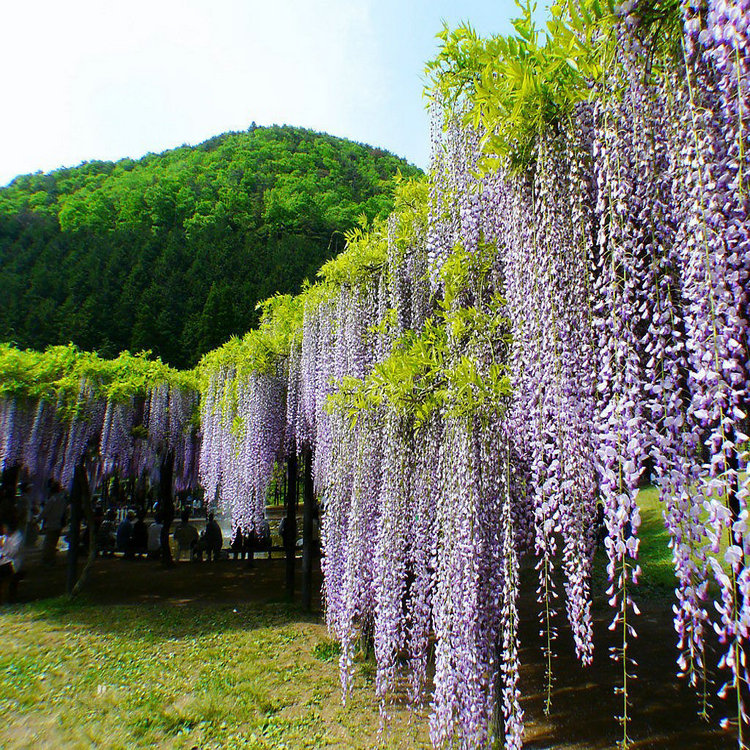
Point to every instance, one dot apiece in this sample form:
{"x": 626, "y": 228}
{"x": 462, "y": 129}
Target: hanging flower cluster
{"x": 242, "y": 419}
{"x": 569, "y": 312}
{"x": 561, "y": 310}
{"x": 393, "y": 377}
{"x": 119, "y": 416}
{"x": 543, "y": 226}
{"x": 625, "y": 245}
{"x": 714, "y": 239}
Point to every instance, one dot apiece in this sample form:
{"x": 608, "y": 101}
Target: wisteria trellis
{"x": 507, "y": 358}
{"x": 127, "y": 432}
{"x": 621, "y": 258}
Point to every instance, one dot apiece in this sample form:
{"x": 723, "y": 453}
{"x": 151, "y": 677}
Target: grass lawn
{"x": 654, "y": 554}
{"x": 206, "y": 656}
{"x": 80, "y": 675}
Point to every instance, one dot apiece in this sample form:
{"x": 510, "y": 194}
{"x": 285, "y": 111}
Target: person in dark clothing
{"x": 125, "y": 533}
{"x": 239, "y": 544}
{"x": 259, "y": 540}
{"x": 600, "y": 527}
{"x": 139, "y": 537}
{"x": 105, "y": 536}
{"x": 212, "y": 538}
{"x": 53, "y": 520}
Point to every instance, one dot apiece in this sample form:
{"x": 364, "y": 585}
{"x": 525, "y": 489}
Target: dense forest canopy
{"x": 171, "y": 253}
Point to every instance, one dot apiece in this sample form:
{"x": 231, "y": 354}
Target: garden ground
{"x": 210, "y": 656}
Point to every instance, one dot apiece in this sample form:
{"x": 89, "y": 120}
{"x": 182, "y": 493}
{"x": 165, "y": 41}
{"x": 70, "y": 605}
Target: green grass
{"x": 657, "y": 579}
{"x": 327, "y": 650}
{"x": 654, "y": 554}
{"x": 220, "y": 676}
{"x": 142, "y": 676}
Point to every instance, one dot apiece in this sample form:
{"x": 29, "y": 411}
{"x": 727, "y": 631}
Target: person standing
{"x": 153, "y": 544}
{"x": 238, "y": 545}
{"x": 213, "y": 538}
{"x": 139, "y": 536}
{"x": 124, "y": 533}
{"x": 185, "y": 535}
{"x": 53, "y": 519}
{"x": 11, "y": 556}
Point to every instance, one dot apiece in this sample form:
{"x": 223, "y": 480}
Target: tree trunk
{"x": 88, "y": 512}
{"x": 79, "y": 490}
{"x": 166, "y": 506}
{"x": 117, "y": 490}
{"x": 8, "y": 483}
{"x": 307, "y": 534}
{"x": 290, "y": 529}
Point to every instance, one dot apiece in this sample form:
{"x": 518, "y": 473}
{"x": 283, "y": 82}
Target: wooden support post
{"x": 166, "y": 505}
{"x": 8, "y": 484}
{"x": 290, "y": 525}
{"x": 307, "y": 534}
{"x": 80, "y": 486}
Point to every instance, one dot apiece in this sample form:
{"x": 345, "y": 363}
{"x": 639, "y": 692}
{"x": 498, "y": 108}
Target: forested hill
{"x": 173, "y": 251}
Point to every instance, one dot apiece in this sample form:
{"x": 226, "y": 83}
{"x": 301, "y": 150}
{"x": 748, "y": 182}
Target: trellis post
{"x": 307, "y": 534}
{"x": 290, "y": 526}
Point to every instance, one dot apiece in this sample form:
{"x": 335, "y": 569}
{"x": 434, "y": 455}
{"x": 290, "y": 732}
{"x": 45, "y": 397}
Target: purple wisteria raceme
{"x": 49, "y": 438}
{"x": 622, "y": 438}
{"x": 82, "y": 431}
{"x": 714, "y": 239}
{"x": 422, "y": 552}
{"x": 244, "y": 418}
{"x": 16, "y": 419}
{"x": 455, "y": 194}
{"x": 116, "y": 439}
{"x": 357, "y": 594}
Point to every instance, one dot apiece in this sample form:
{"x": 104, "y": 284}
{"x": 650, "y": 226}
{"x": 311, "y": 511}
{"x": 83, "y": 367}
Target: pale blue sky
{"x": 104, "y": 79}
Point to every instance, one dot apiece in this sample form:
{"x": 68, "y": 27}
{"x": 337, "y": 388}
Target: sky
{"x": 105, "y": 79}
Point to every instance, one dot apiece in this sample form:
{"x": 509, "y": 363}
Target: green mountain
{"x": 172, "y": 252}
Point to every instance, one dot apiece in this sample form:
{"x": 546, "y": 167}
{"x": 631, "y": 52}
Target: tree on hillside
{"x": 173, "y": 252}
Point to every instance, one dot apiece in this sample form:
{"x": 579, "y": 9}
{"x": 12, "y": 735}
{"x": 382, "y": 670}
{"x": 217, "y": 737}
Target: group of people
{"x": 246, "y": 544}
{"x": 103, "y": 528}
{"x": 134, "y": 538}
{"x": 188, "y": 540}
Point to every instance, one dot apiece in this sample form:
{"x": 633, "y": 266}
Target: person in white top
{"x": 53, "y": 519}
{"x": 11, "y": 556}
{"x": 153, "y": 545}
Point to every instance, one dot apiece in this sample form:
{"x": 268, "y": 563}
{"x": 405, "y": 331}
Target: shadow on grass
{"x": 148, "y": 602}
{"x": 160, "y": 621}
{"x": 140, "y": 602}
{"x": 187, "y": 599}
